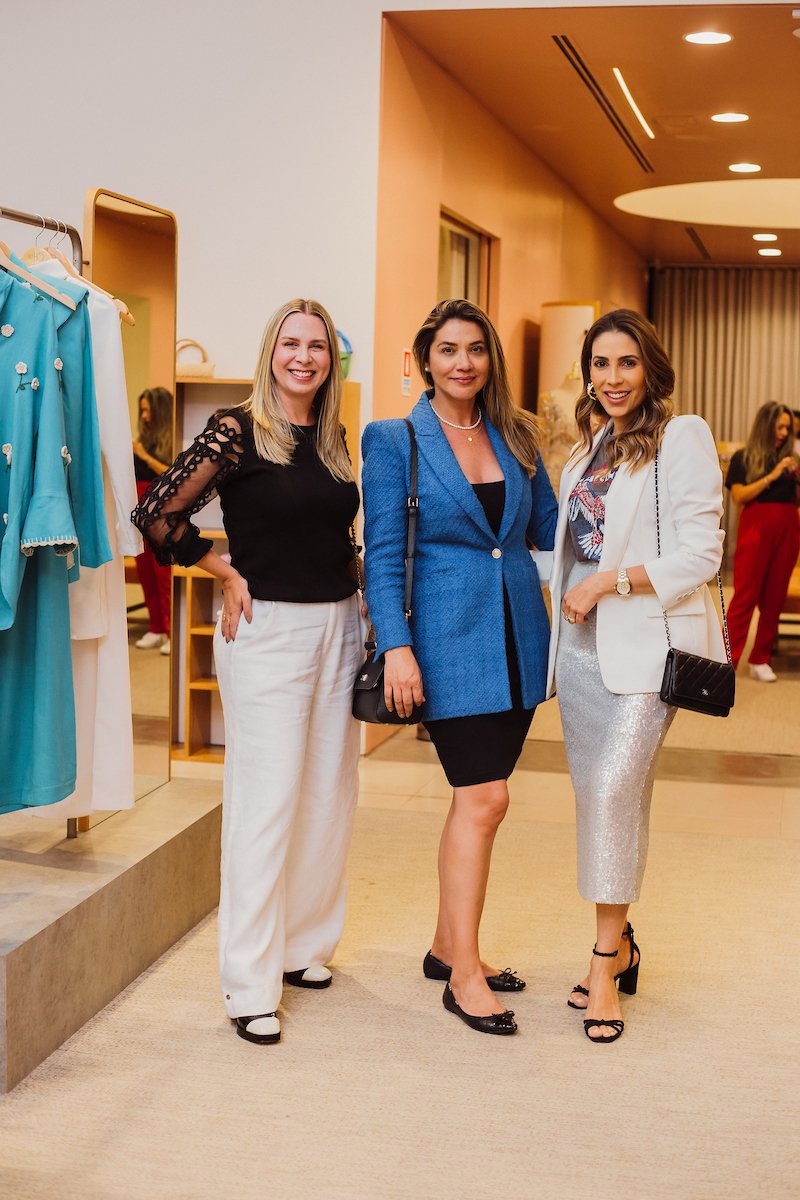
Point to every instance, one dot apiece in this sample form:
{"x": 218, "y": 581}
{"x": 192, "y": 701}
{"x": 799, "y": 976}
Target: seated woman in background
{"x": 152, "y": 454}
{"x": 475, "y": 647}
{"x": 763, "y": 479}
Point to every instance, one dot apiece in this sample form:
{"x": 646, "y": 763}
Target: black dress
{"x": 486, "y": 747}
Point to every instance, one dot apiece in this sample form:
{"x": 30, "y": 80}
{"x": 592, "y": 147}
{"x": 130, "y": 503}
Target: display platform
{"x": 81, "y": 918}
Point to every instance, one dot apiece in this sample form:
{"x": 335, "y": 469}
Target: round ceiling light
{"x": 707, "y": 38}
{"x": 771, "y": 253}
{"x": 744, "y": 168}
{"x": 765, "y": 237}
{"x": 729, "y": 118}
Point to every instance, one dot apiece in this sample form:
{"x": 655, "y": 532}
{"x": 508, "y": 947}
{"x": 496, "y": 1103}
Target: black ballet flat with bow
{"x": 506, "y": 981}
{"x": 502, "y": 1023}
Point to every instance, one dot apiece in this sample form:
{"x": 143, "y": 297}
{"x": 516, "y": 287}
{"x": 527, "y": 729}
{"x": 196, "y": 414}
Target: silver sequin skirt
{"x": 612, "y": 744}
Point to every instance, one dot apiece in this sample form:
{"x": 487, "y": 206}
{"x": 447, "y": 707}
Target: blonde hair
{"x": 639, "y": 443}
{"x": 760, "y": 454}
{"x": 272, "y": 431}
{"x": 519, "y": 429}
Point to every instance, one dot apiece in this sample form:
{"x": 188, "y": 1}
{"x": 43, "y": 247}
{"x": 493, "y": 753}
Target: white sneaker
{"x": 763, "y": 672}
{"x": 165, "y": 648}
{"x": 150, "y": 641}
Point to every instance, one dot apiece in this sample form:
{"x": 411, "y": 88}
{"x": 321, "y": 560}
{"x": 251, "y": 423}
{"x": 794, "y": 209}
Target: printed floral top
{"x": 587, "y": 509}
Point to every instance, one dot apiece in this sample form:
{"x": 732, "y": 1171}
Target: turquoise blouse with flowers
{"x": 37, "y": 535}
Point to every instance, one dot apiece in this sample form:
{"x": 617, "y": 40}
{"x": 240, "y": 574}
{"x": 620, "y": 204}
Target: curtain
{"x": 733, "y": 335}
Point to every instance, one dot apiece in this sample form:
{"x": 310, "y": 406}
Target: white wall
{"x": 255, "y": 121}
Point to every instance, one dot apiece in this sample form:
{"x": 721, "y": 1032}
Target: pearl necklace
{"x": 452, "y": 424}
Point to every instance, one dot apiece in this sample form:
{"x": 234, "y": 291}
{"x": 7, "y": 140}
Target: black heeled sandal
{"x": 614, "y": 1023}
{"x": 628, "y": 979}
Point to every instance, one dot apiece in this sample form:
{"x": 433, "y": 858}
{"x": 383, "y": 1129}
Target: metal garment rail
{"x": 42, "y": 223}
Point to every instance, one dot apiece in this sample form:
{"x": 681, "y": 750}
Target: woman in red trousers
{"x": 764, "y": 480}
{"x": 152, "y": 454}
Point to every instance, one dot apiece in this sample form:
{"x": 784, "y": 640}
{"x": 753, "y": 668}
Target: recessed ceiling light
{"x": 729, "y": 118}
{"x": 744, "y": 168}
{"x": 765, "y": 237}
{"x": 771, "y": 253}
{"x": 707, "y": 38}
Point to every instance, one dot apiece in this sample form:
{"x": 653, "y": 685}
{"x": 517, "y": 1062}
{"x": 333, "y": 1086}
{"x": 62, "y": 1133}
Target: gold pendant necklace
{"x": 452, "y": 424}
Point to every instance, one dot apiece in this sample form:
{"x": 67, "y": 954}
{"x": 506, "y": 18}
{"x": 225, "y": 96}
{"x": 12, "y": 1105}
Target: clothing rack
{"x": 42, "y": 223}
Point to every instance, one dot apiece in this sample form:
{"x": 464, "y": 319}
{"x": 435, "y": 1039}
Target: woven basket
{"x": 203, "y": 369}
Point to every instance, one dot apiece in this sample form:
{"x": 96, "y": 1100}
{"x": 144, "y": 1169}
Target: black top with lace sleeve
{"x": 288, "y": 527}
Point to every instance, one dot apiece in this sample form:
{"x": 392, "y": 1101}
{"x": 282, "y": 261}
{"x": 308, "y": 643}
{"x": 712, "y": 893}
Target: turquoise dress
{"x": 82, "y": 432}
{"x": 37, "y": 534}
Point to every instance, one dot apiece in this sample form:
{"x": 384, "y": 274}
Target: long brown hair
{"x": 639, "y": 443}
{"x": 156, "y": 436}
{"x": 760, "y": 453}
{"x": 272, "y": 431}
{"x": 518, "y": 428}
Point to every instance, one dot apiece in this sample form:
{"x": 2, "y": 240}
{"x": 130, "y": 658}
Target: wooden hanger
{"x": 69, "y": 267}
{"x": 14, "y": 269}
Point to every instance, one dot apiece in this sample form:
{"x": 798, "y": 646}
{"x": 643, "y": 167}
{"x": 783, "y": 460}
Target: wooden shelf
{"x": 211, "y": 754}
{"x": 202, "y": 630}
{"x": 207, "y": 684}
{"x": 205, "y": 380}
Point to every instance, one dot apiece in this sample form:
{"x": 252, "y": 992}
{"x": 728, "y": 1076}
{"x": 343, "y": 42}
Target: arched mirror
{"x": 131, "y": 251}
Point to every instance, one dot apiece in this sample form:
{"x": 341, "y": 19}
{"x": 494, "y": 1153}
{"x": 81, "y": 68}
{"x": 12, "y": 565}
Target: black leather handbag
{"x": 368, "y": 699}
{"x": 700, "y": 684}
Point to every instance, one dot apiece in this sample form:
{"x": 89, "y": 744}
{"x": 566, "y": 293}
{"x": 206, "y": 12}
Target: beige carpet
{"x": 376, "y": 1092}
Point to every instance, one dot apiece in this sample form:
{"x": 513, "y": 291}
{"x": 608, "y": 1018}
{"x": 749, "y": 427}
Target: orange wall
{"x": 439, "y": 148}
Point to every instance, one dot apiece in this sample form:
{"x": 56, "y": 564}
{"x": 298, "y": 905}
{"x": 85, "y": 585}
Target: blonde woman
{"x": 763, "y": 478}
{"x": 475, "y": 647}
{"x": 287, "y": 647}
{"x": 608, "y": 648}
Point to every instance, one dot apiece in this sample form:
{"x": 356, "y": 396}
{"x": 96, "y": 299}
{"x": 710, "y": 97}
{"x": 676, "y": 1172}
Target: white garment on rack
{"x": 98, "y": 618}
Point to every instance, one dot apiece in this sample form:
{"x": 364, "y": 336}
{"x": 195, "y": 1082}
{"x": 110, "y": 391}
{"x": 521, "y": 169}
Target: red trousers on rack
{"x": 156, "y": 582}
{"x": 766, "y": 554}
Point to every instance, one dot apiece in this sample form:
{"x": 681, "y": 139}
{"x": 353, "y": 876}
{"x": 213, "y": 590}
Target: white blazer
{"x": 631, "y": 639}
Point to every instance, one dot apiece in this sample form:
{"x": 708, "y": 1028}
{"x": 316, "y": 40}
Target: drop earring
{"x": 590, "y": 392}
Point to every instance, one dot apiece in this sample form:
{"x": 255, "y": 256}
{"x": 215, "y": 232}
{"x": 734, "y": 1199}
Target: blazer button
{"x": 497, "y": 552}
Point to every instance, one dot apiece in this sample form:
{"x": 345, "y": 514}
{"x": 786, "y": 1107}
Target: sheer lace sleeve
{"x": 163, "y": 512}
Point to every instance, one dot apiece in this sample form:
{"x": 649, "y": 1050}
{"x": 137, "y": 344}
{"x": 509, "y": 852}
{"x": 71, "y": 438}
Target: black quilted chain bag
{"x": 700, "y": 684}
{"x": 368, "y": 699}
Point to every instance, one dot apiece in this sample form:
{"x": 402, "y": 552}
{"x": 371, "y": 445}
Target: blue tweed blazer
{"x": 457, "y": 628}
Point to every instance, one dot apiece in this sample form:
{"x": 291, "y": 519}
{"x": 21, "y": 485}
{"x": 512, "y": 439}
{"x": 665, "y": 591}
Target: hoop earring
{"x": 590, "y": 392}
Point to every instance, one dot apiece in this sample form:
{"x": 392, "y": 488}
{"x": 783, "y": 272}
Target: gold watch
{"x": 623, "y": 585}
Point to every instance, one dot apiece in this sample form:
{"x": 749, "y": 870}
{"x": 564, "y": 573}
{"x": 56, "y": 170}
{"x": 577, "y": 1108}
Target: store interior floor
{"x": 376, "y": 1091}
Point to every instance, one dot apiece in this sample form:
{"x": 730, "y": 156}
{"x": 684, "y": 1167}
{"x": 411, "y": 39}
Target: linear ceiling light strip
{"x": 579, "y": 66}
{"x": 637, "y": 112}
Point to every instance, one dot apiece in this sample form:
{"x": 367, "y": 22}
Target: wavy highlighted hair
{"x": 760, "y": 454}
{"x": 639, "y": 443}
{"x": 156, "y": 437}
{"x": 518, "y": 428}
{"x": 272, "y": 431}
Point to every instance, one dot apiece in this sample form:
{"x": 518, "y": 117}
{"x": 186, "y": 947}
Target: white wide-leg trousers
{"x": 290, "y": 789}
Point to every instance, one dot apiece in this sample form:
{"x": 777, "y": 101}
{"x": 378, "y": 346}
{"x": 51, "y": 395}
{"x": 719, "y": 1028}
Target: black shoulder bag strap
{"x": 412, "y": 506}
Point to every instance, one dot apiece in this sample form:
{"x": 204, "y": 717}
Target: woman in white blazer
{"x": 611, "y": 587}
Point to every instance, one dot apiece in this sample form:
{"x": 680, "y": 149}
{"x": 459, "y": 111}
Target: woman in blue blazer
{"x": 476, "y": 645}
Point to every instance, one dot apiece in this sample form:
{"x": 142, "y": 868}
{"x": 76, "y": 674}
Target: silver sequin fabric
{"x": 612, "y": 744}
